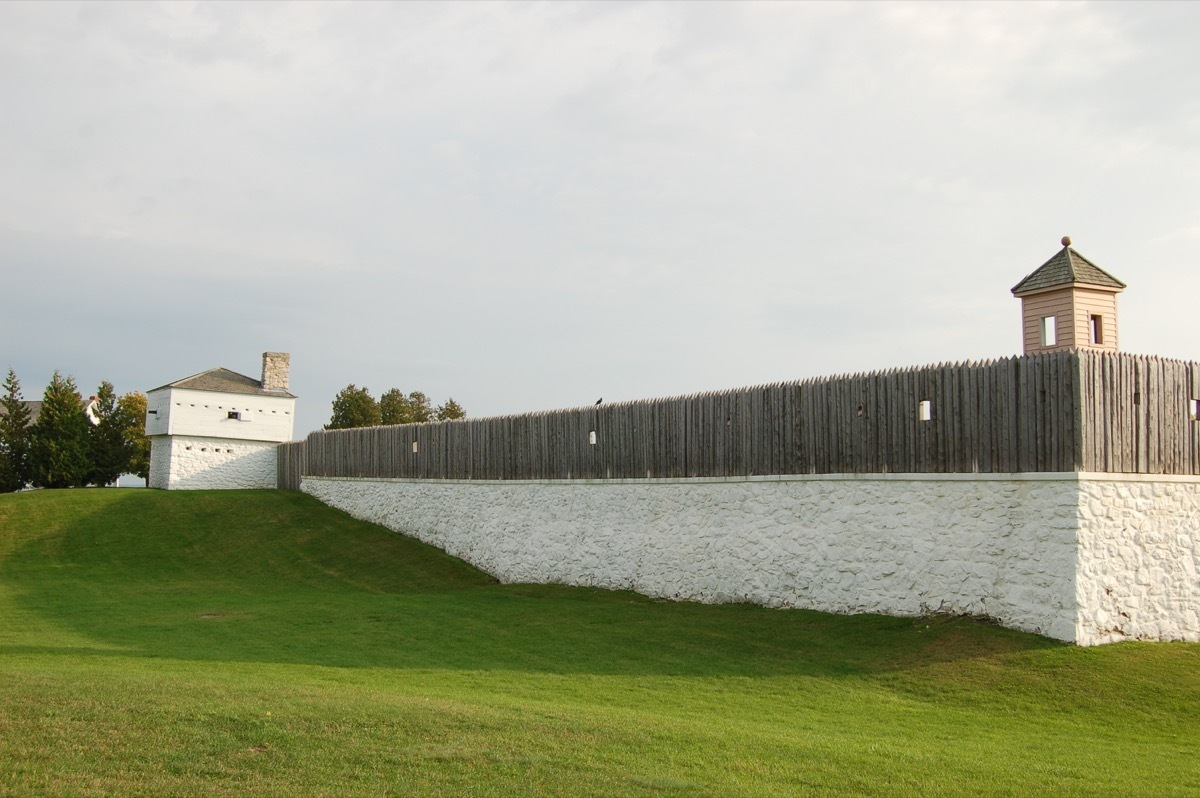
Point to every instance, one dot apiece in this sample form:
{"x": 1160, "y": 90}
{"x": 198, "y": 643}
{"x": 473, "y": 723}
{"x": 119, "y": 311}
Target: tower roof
{"x": 1067, "y": 267}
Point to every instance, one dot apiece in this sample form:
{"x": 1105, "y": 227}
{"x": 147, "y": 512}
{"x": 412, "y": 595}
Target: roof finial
{"x": 1066, "y": 241}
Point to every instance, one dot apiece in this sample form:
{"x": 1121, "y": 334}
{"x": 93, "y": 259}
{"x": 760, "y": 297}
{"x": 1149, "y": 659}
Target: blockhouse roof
{"x": 223, "y": 380}
{"x": 35, "y": 410}
{"x": 1067, "y": 267}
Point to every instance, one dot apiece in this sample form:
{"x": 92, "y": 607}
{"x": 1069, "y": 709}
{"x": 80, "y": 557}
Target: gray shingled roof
{"x": 224, "y": 381}
{"x": 35, "y": 410}
{"x": 1066, "y": 268}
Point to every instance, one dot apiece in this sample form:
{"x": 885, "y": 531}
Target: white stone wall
{"x": 1004, "y": 546}
{"x": 1139, "y": 559}
{"x": 179, "y": 462}
{"x": 160, "y": 462}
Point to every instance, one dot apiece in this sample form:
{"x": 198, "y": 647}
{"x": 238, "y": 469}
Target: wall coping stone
{"x": 1045, "y": 476}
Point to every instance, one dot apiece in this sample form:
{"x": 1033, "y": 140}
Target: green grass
{"x": 259, "y": 643}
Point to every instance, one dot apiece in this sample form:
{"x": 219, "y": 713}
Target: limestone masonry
{"x": 1086, "y": 558}
{"x": 275, "y": 368}
{"x": 181, "y": 462}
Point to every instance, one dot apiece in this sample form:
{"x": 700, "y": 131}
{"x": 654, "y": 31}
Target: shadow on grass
{"x": 266, "y": 576}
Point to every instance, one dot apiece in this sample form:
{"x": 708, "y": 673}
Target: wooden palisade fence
{"x": 1061, "y": 411}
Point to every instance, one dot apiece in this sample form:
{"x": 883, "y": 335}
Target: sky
{"x": 530, "y": 206}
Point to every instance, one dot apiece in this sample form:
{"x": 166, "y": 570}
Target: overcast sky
{"x": 530, "y": 206}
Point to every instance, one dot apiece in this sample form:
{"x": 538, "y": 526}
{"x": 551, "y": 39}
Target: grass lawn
{"x": 259, "y": 643}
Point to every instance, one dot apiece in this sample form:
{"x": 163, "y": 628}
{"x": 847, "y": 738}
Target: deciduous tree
{"x": 394, "y": 407}
{"x": 354, "y": 407}
{"x": 351, "y": 408}
{"x": 422, "y": 408}
{"x": 450, "y": 410}
{"x": 132, "y": 410}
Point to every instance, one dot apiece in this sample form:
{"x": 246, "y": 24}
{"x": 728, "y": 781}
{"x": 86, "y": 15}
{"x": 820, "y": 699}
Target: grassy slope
{"x": 234, "y": 643}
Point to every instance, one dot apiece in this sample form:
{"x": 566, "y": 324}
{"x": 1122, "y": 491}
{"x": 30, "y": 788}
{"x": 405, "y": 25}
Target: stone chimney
{"x": 275, "y": 371}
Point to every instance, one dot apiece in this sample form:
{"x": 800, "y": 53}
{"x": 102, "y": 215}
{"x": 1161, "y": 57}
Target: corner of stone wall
{"x": 1139, "y": 555}
{"x": 160, "y": 462}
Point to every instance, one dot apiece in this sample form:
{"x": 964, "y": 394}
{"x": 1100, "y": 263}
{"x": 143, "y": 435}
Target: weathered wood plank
{"x": 1062, "y": 411}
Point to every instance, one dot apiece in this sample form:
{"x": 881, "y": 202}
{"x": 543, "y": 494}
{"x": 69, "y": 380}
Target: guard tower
{"x": 1069, "y": 303}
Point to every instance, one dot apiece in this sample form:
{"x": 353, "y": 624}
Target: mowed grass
{"x": 259, "y": 643}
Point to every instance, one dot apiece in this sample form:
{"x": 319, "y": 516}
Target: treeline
{"x": 72, "y": 442}
{"x": 355, "y": 407}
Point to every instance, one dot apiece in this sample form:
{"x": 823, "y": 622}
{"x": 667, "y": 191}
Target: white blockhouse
{"x": 220, "y": 429}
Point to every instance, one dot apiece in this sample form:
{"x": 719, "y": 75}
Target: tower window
{"x": 1049, "y": 330}
{"x": 234, "y": 415}
{"x": 925, "y": 410}
{"x": 1194, "y": 409}
{"x": 1096, "y": 328}
{"x": 592, "y": 437}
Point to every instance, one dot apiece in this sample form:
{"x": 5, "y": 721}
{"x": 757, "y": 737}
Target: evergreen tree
{"x": 110, "y": 451}
{"x": 354, "y": 407}
{"x": 450, "y": 411}
{"x": 132, "y": 410}
{"x": 14, "y": 436}
{"x": 58, "y": 445}
{"x": 9, "y": 481}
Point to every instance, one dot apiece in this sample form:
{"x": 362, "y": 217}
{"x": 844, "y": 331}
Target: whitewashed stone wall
{"x": 1139, "y": 559}
{"x": 889, "y": 544}
{"x": 180, "y": 462}
{"x": 1085, "y": 558}
{"x": 160, "y": 462}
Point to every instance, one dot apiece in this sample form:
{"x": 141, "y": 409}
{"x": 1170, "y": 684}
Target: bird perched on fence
{"x": 601, "y": 399}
